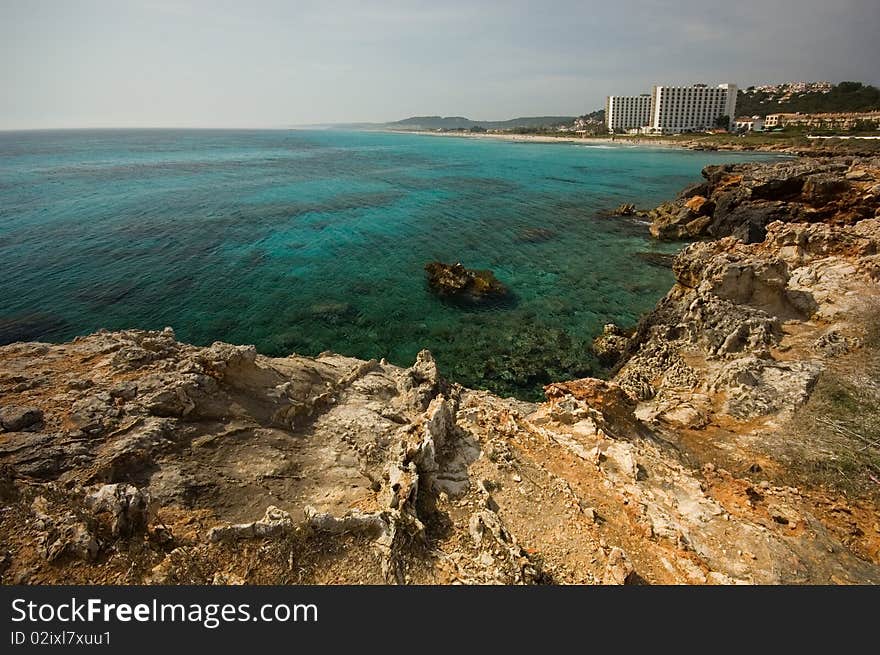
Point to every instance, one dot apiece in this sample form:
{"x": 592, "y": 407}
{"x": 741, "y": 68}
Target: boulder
{"x": 700, "y": 205}
{"x": 618, "y": 569}
{"x": 131, "y": 509}
{"x": 668, "y": 221}
{"x": 457, "y": 281}
{"x": 14, "y": 418}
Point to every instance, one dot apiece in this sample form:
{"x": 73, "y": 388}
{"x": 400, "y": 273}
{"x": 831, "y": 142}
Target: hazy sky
{"x": 273, "y": 63}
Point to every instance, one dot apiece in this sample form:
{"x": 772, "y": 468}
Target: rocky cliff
{"x": 735, "y": 444}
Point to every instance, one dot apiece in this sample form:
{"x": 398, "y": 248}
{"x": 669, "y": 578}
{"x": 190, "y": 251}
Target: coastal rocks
{"x": 728, "y": 272}
{"x": 767, "y": 336}
{"x": 823, "y": 187}
{"x": 274, "y": 522}
{"x": 699, "y": 205}
{"x": 655, "y": 364}
{"x": 740, "y": 200}
{"x": 624, "y": 209}
{"x": 618, "y": 569}
{"x": 610, "y": 345}
{"x": 15, "y": 419}
{"x": 757, "y": 387}
{"x": 130, "y": 509}
{"x": 697, "y": 189}
{"x": 674, "y": 221}
{"x": 605, "y": 404}
{"x": 400, "y": 476}
{"x": 62, "y": 532}
{"x": 456, "y": 281}
{"x": 748, "y": 222}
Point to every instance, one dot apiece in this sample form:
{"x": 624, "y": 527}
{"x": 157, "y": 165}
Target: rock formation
{"x": 740, "y": 200}
{"x": 610, "y": 346}
{"x": 454, "y": 280}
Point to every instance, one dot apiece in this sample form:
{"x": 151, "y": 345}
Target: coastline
{"x": 805, "y": 146}
{"x": 546, "y": 138}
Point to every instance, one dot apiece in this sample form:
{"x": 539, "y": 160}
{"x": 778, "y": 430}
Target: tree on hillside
{"x": 843, "y": 97}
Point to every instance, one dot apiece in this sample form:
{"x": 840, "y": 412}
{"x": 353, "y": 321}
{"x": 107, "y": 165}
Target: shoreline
{"x": 546, "y": 138}
{"x": 808, "y": 147}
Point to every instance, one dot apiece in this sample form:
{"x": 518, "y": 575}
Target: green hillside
{"x": 462, "y": 123}
{"x": 846, "y": 96}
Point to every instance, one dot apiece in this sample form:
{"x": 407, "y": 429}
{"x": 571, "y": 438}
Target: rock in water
{"x": 535, "y": 235}
{"x": 624, "y": 209}
{"x": 454, "y": 280}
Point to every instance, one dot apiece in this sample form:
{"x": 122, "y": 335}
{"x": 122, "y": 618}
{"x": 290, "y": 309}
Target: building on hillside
{"x": 627, "y": 112}
{"x": 771, "y": 121}
{"x": 748, "y": 124}
{"x": 694, "y": 108}
{"x": 830, "y": 120}
{"x": 785, "y": 90}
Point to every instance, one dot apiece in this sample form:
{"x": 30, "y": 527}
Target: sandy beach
{"x": 546, "y": 138}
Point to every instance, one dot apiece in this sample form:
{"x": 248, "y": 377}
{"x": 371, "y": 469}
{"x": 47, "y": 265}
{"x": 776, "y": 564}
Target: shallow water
{"x": 304, "y": 241}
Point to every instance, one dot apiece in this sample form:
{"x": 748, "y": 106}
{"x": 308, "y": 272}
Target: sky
{"x": 280, "y": 63}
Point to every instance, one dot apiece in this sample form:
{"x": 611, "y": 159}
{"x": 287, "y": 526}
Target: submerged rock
{"x": 457, "y": 281}
{"x": 659, "y": 259}
{"x": 535, "y": 235}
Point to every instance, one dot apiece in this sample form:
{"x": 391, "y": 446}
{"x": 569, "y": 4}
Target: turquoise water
{"x": 304, "y": 241}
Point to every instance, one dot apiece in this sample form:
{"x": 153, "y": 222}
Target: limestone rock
{"x": 610, "y": 345}
{"x": 131, "y": 509}
{"x": 618, "y": 569}
{"x": 275, "y": 522}
{"x": 14, "y": 418}
{"x": 454, "y": 280}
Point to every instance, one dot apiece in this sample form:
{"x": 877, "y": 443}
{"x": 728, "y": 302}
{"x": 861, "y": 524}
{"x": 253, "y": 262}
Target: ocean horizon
{"x": 313, "y": 240}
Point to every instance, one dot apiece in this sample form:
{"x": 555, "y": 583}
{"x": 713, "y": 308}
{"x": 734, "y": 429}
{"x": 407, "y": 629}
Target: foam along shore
{"x": 547, "y": 138}
{"x": 800, "y": 146}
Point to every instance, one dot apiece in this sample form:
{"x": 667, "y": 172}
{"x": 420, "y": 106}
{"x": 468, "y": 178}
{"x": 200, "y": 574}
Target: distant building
{"x": 771, "y": 121}
{"x": 785, "y": 90}
{"x": 748, "y": 124}
{"x": 694, "y": 108}
{"x": 672, "y": 109}
{"x": 627, "y": 112}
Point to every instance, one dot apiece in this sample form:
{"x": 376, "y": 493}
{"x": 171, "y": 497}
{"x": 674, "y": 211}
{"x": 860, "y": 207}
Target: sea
{"x": 303, "y": 241}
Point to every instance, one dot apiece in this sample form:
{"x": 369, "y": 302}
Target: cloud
{"x": 275, "y": 62}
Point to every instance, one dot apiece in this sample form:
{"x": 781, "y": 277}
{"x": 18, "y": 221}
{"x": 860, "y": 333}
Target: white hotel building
{"x": 675, "y": 109}
{"x": 627, "y": 112}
